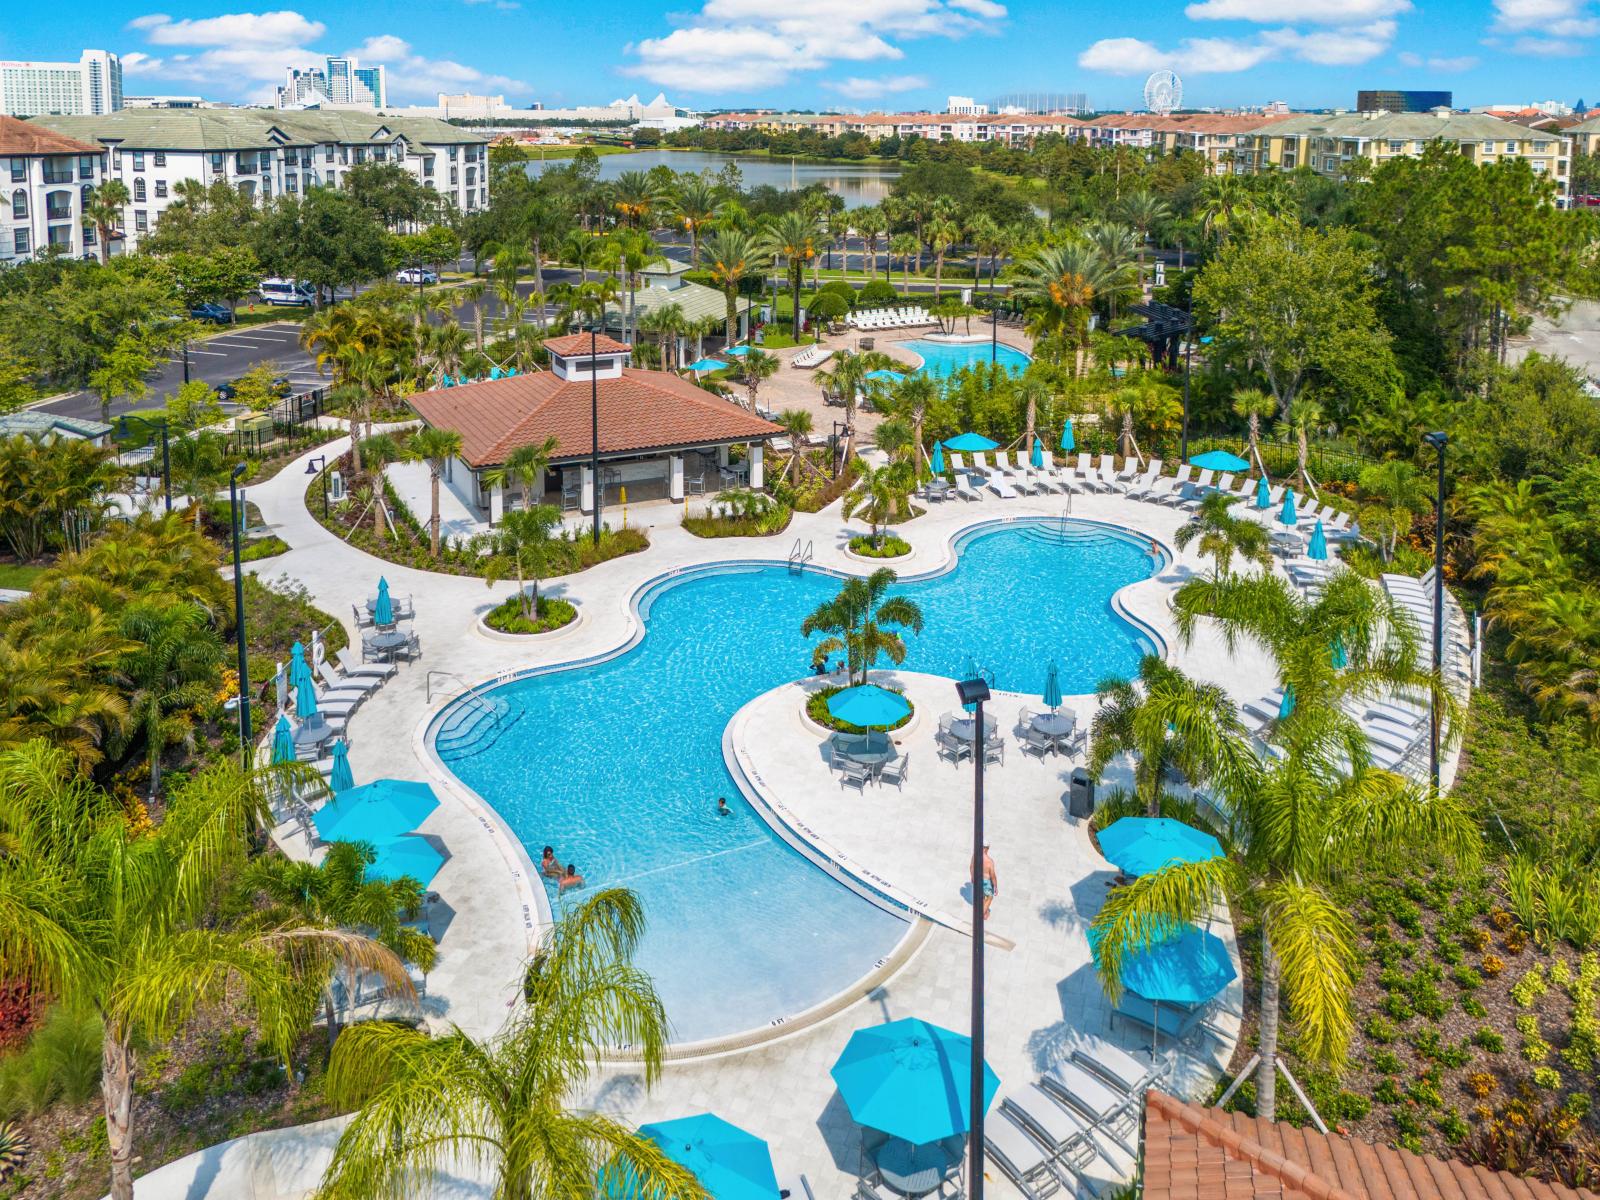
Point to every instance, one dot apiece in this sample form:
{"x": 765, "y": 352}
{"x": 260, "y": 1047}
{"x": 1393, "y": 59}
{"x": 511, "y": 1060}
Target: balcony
{"x": 58, "y": 212}
{"x": 57, "y": 174}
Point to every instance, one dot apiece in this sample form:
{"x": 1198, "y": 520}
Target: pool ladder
{"x": 799, "y": 556}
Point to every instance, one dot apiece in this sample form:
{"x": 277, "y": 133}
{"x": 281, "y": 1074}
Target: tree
{"x": 1253, "y": 404}
{"x": 793, "y": 238}
{"x": 903, "y": 246}
{"x": 1143, "y": 210}
{"x": 861, "y": 620}
{"x": 732, "y": 257}
{"x": 326, "y": 239}
{"x": 393, "y": 195}
{"x": 879, "y": 494}
{"x": 848, "y": 380}
{"x": 102, "y": 211}
{"x": 1223, "y": 535}
{"x": 107, "y": 916}
{"x": 696, "y": 202}
{"x": 797, "y": 424}
{"x": 1303, "y": 416}
{"x": 1402, "y": 491}
{"x": 16, "y": 376}
{"x": 436, "y": 447}
{"x": 521, "y": 544}
{"x": 1065, "y": 280}
{"x": 172, "y": 667}
{"x": 635, "y": 197}
{"x": 526, "y": 466}
{"x": 756, "y": 366}
{"x": 200, "y": 466}
{"x": 943, "y": 233}
{"x": 1146, "y": 405}
{"x": 222, "y": 273}
{"x": 870, "y": 225}
{"x": 426, "y": 1103}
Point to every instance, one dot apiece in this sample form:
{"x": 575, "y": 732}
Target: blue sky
{"x": 850, "y": 53}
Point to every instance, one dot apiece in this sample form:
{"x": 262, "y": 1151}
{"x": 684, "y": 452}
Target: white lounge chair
{"x": 1001, "y": 486}
{"x": 1020, "y": 1158}
{"x": 355, "y": 668}
{"x": 1166, "y": 489}
{"x": 964, "y": 487}
{"x": 350, "y": 685}
{"x": 1061, "y": 473}
{"x": 1058, "y": 1129}
{"x": 335, "y": 705}
{"x": 1142, "y": 487}
{"x": 1131, "y": 1072}
{"x": 1090, "y": 477}
{"x": 1109, "y": 1109}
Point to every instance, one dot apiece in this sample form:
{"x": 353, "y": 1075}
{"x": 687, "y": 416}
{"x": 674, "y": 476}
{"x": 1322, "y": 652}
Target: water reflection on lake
{"x": 859, "y": 183}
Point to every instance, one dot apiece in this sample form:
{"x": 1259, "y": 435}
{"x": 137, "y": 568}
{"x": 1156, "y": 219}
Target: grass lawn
{"x": 247, "y": 315}
{"x": 18, "y": 576}
{"x": 543, "y": 152}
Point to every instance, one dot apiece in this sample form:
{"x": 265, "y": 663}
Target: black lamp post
{"x": 314, "y": 466}
{"x": 166, "y": 452}
{"x": 594, "y": 426}
{"x": 186, "y": 360}
{"x": 1438, "y": 440}
{"x": 1188, "y": 350}
{"x": 975, "y": 692}
{"x": 236, "y": 515}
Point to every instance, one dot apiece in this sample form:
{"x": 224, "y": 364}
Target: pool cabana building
{"x": 660, "y": 436}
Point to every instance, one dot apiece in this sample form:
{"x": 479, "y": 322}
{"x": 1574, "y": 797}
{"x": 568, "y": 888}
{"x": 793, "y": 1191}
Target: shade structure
{"x": 910, "y": 1079}
{"x": 1286, "y": 705}
{"x": 729, "y": 1163}
{"x": 383, "y": 610}
{"x": 305, "y": 703}
{"x": 1184, "y": 965}
{"x": 707, "y": 364}
{"x": 1286, "y": 514}
{"x": 1143, "y": 845}
{"x": 970, "y": 443}
{"x": 1036, "y": 456}
{"x": 936, "y": 461}
{"x": 299, "y": 669}
{"x": 1338, "y": 656}
{"x": 737, "y": 351}
{"x": 406, "y": 855}
{"x": 1052, "y": 687}
{"x": 868, "y": 704}
{"x": 1067, "y": 442}
{"x": 1319, "y": 542}
{"x": 340, "y": 778}
{"x": 1219, "y": 460}
{"x": 376, "y": 811}
{"x": 1263, "y": 494}
{"x": 884, "y": 376}
{"x": 282, "y": 741}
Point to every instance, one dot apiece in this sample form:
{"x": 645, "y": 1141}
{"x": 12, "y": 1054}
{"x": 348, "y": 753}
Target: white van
{"x": 284, "y": 291}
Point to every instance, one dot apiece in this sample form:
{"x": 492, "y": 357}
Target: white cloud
{"x": 1194, "y": 56}
{"x": 1464, "y": 62}
{"x": 1550, "y": 18}
{"x": 1314, "y": 12}
{"x": 137, "y": 62}
{"x": 1546, "y": 48}
{"x": 733, "y": 45}
{"x": 1334, "y": 47}
{"x": 856, "y": 88}
{"x": 232, "y": 30}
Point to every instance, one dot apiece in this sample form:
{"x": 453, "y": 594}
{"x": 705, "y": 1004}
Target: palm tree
{"x": 903, "y": 246}
{"x": 1145, "y": 404}
{"x": 522, "y": 548}
{"x": 797, "y": 423}
{"x": 1403, "y": 491}
{"x": 103, "y": 210}
{"x": 696, "y": 202}
{"x": 793, "y": 238}
{"x": 447, "y": 345}
{"x": 870, "y": 224}
{"x": 1143, "y": 210}
{"x": 436, "y": 447}
{"x": 473, "y": 293}
{"x": 848, "y": 379}
{"x": 200, "y": 464}
{"x": 1224, "y": 200}
{"x": 1167, "y": 720}
{"x": 986, "y": 236}
{"x": 526, "y": 466}
{"x": 581, "y": 249}
{"x": 734, "y": 256}
{"x": 122, "y": 920}
{"x": 913, "y": 397}
{"x": 378, "y": 451}
{"x": 1116, "y": 245}
{"x": 1253, "y": 404}
{"x": 1303, "y": 415}
{"x": 857, "y": 621}
{"x": 633, "y": 250}
{"x": 426, "y": 1103}
{"x": 756, "y": 366}
{"x": 635, "y": 196}
{"x": 1065, "y": 280}
{"x": 879, "y": 494}
{"x": 170, "y": 669}
{"x": 943, "y": 232}
{"x": 1222, "y": 535}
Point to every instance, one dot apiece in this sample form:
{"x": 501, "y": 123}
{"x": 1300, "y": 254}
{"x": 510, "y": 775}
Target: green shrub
{"x": 1467, "y": 978}
{"x": 1453, "y": 1126}
{"x": 889, "y": 546}
{"x": 1386, "y": 1062}
{"x": 259, "y": 548}
{"x": 61, "y": 1061}
{"x": 741, "y": 514}
{"x": 1530, "y": 987}
{"x": 1398, "y": 1007}
{"x": 1380, "y": 1031}
{"x": 877, "y": 292}
{"x": 1474, "y": 1008}
{"x": 1489, "y": 1040}
{"x": 1546, "y": 1077}
{"x": 551, "y": 613}
{"x": 1388, "y": 1091}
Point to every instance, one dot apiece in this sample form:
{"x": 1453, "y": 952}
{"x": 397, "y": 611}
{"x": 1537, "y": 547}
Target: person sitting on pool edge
{"x": 550, "y": 865}
{"x": 570, "y": 879}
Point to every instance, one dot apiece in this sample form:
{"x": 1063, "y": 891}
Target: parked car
{"x": 211, "y": 314}
{"x": 417, "y": 275}
{"x": 281, "y": 387}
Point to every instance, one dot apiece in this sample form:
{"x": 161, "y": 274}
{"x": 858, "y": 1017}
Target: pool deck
{"x": 1051, "y": 880}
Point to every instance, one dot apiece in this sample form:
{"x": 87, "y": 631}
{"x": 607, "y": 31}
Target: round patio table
{"x": 962, "y": 728}
{"x": 387, "y": 643}
{"x": 916, "y": 1170}
{"x": 873, "y": 755}
{"x": 313, "y": 732}
{"x": 1054, "y": 724}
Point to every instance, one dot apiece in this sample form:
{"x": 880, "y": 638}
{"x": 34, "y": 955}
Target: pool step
{"x": 474, "y": 728}
{"x": 1062, "y": 535}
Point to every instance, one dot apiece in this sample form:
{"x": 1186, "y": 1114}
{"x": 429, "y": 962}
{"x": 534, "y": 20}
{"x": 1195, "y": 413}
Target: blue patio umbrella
{"x": 910, "y": 1079}
{"x": 1143, "y": 845}
{"x": 1286, "y": 705}
{"x": 406, "y": 855}
{"x": 340, "y": 779}
{"x": 884, "y": 376}
{"x": 1052, "y": 687}
{"x": 1286, "y": 514}
{"x": 383, "y": 610}
{"x": 299, "y": 669}
{"x": 511, "y": 372}
{"x": 707, "y": 364}
{"x": 937, "y": 461}
{"x": 1319, "y": 542}
{"x": 1219, "y": 460}
{"x": 447, "y": 382}
{"x": 737, "y": 351}
{"x": 1263, "y": 494}
{"x": 970, "y": 443}
{"x": 868, "y": 704}
{"x": 282, "y": 741}
{"x": 1066, "y": 435}
{"x": 1338, "y": 655}
{"x": 494, "y": 372}
{"x": 305, "y": 702}
{"x": 1036, "y": 459}
{"x": 729, "y": 1163}
{"x": 1182, "y": 965}
{"x": 373, "y": 812}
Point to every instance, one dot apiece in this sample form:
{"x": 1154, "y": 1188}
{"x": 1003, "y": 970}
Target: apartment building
{"x": 93, "y": 85}
{"x": 1214, "y": 137}
{"x": 44, "y": 178}
{"x": 265, "y": 153}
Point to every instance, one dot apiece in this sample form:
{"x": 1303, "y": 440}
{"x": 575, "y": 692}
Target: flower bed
{"x": 508, "y": 616}
{"x": 889, "y": 546}
{"x": 817, "y": 710}
{"x": 766, "y": 524}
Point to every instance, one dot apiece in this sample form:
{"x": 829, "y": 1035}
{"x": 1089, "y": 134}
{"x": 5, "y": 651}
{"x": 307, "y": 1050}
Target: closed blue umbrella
{"x": 1036, "y": 459}
{"x": 411, "y": 856}
{"x": 383, "y": 610}
{"x": 1319, "y": 542}
{"x": 1052, "y": 687}
{"x": 937, "y": 461}
{"x": 494, "y": 373}
{"x": 299, "y": 669}
{"x": 282, "y": 741}
{"x": 1286, "y": 514}
{"x": 340, "y": 779}
{"x": 1286, "y": 705}
{"x": 1067, "y": 442}
{"x": 1143, "y": 845}
{"x": 382, "y": 809}
{"x": 868, "y": 705}
{"x": 970, "y": 443}
{"x": 305, "y": 703}
{"x": 729, "y": 1163}
{"x": 1181, "y": 965}
{"x": 1219, "y": 460}
{"x": 447, "y": 382}
{"x": 1263, "y": 494}
{"x": 910, "y": 1079}
{"x": 1338, "y": 655}
{"x": 707, "y": 364}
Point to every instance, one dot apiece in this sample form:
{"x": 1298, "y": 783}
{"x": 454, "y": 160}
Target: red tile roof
{"x": 572, "y": 344}
{"x": 24, "y": 138}
{"x": 1195, "y": 1153}
{"x": 641, "y": 411}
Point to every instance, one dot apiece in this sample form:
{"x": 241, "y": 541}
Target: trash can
{"x": 1080, "y": 802}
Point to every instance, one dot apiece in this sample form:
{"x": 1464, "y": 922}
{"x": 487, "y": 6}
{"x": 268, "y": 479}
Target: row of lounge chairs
{"x": 889, "y": 318}
{"x": 1396, "y": 729}
{"x": 811, "y": 356}
{"x": 342, "y": 690}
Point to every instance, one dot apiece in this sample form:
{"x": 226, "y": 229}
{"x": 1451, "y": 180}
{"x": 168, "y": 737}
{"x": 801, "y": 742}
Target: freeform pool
{"x": 618, "y": 764}
{"x": 944, "y": 359}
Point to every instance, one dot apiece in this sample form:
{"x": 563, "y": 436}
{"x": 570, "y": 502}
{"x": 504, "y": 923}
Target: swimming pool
{"x": 944, "y": 359}
{"x": 618, "y": 764}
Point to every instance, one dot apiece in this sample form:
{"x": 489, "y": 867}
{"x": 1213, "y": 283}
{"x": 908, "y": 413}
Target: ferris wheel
{"x": 1163, "y": 92}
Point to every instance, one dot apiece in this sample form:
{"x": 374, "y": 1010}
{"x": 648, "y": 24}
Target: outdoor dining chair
{"x": 894, "y": 771}
{"x": 854, "y": 774}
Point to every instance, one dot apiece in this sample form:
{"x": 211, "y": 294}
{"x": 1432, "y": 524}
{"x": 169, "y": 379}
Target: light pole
{"x": 166, "y": 451}
{"x": 975, "y": 692}
{"x": 1438, "y": 440}
{"x": 594, "y": 426}
{"x": 313, "y": 467}
{"x": 1188, "y": 350}
{"x": 236, "y": 515}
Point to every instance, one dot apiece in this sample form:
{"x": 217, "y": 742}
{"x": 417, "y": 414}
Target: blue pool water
{"x": 944, "y": 359}
{"x": 618, "y": 765}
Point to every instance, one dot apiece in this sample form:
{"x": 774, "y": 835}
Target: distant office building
{"x": 168, "y": 102}
{"x": 92, "y": 86}
{"x": 1402, "y": 102}
{"x": 1020, "y": 104}
{"x": 341, "y": 82}
{"x": 965, "y": 106}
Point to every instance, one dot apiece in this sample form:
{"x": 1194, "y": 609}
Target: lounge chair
{"x": 1061, "y": 473}
{"x": 355, "y": 670}
{"x": 964, "y": 488}
{"x": 1125, "y": 477}
{"x": 1107, "y": 473}
{"x": 1141, "y": 488}
{"x": 338, "y": 704}
{"x": 350, "y": 684}
{"x": 1001, "y": 486}
{"x": 1020, "y": 1157}
{"x": 895, "y": 771}
{"x": 1107, "y": 1108}
{"x": 1133, "y": 1073}
{"x": 1091, "y": 478}
{"x": 1202, "y": 485}
{"x": 1060, "y": 1130}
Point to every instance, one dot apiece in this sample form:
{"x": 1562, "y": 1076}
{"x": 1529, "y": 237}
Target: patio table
{"x": 962, "y": 727}
{"x": 916, "y": 1170}
{"x": 1055, "y": 724}
{"x": 386, "y": 644}
{"x": 872, "y": 756}
{"x": 313, "y": 732}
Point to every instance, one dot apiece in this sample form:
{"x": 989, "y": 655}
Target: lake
{"x": 859, "y": 183}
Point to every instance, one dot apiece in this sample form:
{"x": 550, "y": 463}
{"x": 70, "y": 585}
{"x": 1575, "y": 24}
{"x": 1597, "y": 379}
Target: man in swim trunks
{"x": 989, "y": 882}
{"x": 570, "y": 879}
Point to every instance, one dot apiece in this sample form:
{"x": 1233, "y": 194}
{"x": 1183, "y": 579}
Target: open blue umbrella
{"x": 936, "y": 462}
{"x": 1263, "y": 494}
{"x": 376, "y": 811}
{"x": 299, "y": 669}
{"x": 383, "y": 610}
{"x": 1338, "y": 656}
{"x": 406, "y": 855}
{"x": 868, "y": 704}
{"x": 1219, "y": 460}
{"x": 282, "y": 741}
{"x": 910, "y": 1079}
{"x": 1286, "y": 705}
{"x": 1181, "y": 965}
{"x": 729, "y": 1163}
{"x": 884, "y": 376}
{"x": 1319, "y": 542}
{"x": 1052, "y": 687}
{"x": 1143, "y": 845}
{"x": 970, "y": 443}
{"x": 707, "y": 364}
{"x": 737, "y": 351}
{"x": 1286, "y": 514}
{"x": 1066, "y": 435}
{"x": 340, "y": 779}
{"x": 1036, "y": 458}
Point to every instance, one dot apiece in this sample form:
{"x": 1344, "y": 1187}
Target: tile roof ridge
{"x": 1231, "y": 1140}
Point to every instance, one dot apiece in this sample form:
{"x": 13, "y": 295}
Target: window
{"x": 141, "y": 220}
{"x": 327, "y": 154}
{"x": 266, "y": 187}
{"x": 472, "y": 176}
{"x": 138, "y": 160}
{"x": 161, "y": 189}
{"x": 1397, "y": 147}
{"x": 455, "y": 176}
{"x": 19, "y": 170}
{"x": 290, "y": 184}
{"x": 58, "y": 206}
{"x": 1511, "y": 147}
{"x": 86, "y": 166}
{"x": 88, "y": 235}
{"x": 1330, "y": 164}
{"x": 161, "y": 158}
{"x": 361, "y": 154}
{"x": 453, "y": 153}
{"x": 19, "y": 206}
{"x": 84, "y": 193}
{"x": 60, "y": 235}
{"x": 21, "y": 241}
{"x": 138, "y": 191}
{"x": 427, "y": 166}
{"x": 217, "y": 163}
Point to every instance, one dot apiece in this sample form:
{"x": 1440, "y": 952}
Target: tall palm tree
{"x": 913, "y": 398}
{"x": 797, "y": 423}
{"x": 581, "y": 249}
{"x": 861, "y": 620}
{"x": 1253, "y": 404}
{"x": 103, "y": 210}
{"x": 635, "y": 197}
{"x": 733, "y": 256}
{"x": 880, "y": 494}
{"x": 170, "y": 669}
{"x": 756, "y": 366}
{"x": 848, "y": 379}
{"x": 1143, "y": 210}
{"x": 427, "y": 1103}
{"x": 1119, "y": 251}
{"x": 903, "y": 246}
{"x": 632, "y": 251}
{"x": 522, "y": 548}
{"x": 473, "y": 293}
{"x": 1065, "y": 280}
{"x": 1144, "y": 404}
{"x": 1303, "y": 415}
{"x": 943, "y": 233}
{"x": 1403, "y": 492}
{"x": 793, "y": 238}
{"x": 436, "y": 447}
{"x": 526, "y": 466}
{"x": 870, "y": 224}
{"x": 696, "y": 203}
{"x": 1224, "y": 202}
{"x": 378, "y": 451}
{"x": 1223, "y": 535}
{"x": 107, "y": 916}
{"x": 990, "y": 240}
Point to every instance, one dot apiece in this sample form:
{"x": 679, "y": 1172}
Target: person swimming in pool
{"x": 570, "y": 879}
{"x": 549, "y": 864}
{"x": 722, "y": 807}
